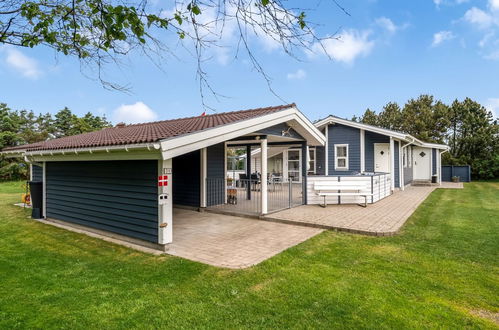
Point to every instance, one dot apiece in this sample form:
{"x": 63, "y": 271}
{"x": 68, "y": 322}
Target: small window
{"x": 404, "y": 158}
{"x": 341, "y": 157}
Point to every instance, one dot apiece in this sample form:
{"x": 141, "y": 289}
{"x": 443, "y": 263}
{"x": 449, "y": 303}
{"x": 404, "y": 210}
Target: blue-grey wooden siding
{"x": 215, "y": 162}
{"x": 434, "y": 161}
{"x": 37, "y": 173}
{"x": 408, "y": 169}
{"x": 115, "y": 196}
{"x": 397, "y": 164}
{"x": 320, "y": 161}
{"x": 186, "y": 179}
{"x": 342, "y": 134}
{"x": 370, "y": 138}
{"x": 278, "y": 129}
{"x": 463, "y": 172}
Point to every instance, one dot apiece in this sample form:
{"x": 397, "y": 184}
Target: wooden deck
{"x": 383, "y": 218}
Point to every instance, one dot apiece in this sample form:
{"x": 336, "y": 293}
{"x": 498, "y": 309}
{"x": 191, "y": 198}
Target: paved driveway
{"x": 229, "y": 241}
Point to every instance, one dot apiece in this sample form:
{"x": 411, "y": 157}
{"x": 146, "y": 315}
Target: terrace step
{"x": 419, "y": 183}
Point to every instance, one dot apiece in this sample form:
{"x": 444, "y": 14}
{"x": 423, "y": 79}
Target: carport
{"x": 126, "y": 180}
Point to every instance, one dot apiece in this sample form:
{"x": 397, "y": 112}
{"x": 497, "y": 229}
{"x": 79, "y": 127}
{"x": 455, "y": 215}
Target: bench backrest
{"x": 333, "y": 185}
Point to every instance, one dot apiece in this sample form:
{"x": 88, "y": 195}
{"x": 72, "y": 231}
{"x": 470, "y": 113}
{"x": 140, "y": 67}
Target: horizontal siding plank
{"x": 107, "y": 210}
{"x": 85, "y": 222}
{"x": 114, "y": 220}
{"x": 109, "y": 201}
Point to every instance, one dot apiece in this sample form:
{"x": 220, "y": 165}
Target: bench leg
{"x": 324, "y": 205}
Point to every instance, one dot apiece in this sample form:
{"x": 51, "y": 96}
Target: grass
{"x": 442, "y": 271}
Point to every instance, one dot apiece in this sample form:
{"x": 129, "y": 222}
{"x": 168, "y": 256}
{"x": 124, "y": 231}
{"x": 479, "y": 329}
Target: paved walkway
{"x": 383, "y": 218}
{"x": 229, "y": 241}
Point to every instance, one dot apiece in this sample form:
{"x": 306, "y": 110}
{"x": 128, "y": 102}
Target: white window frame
{"x": 313, "y": 170}
{"x": 336, "y": 167}
{"x": 405, "y": 158}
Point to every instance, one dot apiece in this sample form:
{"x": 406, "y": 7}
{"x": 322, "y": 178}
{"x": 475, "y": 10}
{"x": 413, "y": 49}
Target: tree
{"x": 369, "y": 117}
{"x": 104, "y": 31}
{"x": 390, "y": 117}
{"x": 473, "y": 135}
{"x": 21, "y": 127}
{"x": 425, "y": 119}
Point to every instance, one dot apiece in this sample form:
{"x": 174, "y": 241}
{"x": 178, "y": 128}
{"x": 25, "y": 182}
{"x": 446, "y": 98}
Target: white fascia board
{"x": 435, "y": 145}
{"x": 93, "y": 152}
{"x": 378, "y": 130}
{"x": 183, "y": 144}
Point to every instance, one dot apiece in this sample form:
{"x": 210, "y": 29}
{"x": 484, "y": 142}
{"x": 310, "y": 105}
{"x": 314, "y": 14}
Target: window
{"x": 341, "y": 157}
{"x": 404, "y": 158}
{"x": 311, "y": 158}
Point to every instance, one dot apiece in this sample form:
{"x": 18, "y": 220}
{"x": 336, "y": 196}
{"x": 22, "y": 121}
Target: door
{"x": 294, "y": 165}
{"x": 382, "y": 157}
{"x": 422, "y": 161}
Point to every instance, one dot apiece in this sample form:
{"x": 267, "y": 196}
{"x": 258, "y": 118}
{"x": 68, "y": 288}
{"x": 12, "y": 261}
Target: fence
{"x": 461, "y": 171}
{"x": 244, "y": 196}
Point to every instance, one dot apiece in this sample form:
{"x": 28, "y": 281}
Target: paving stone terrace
{"x": 230, "y": 241}
{"x": 383, "y": 218}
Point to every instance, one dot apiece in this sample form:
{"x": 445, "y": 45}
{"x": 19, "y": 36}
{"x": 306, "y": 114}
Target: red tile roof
{"x": 148, "y": 132}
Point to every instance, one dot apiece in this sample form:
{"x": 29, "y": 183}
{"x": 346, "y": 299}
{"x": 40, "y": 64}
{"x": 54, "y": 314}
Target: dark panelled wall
{"x": 434, "y": 161}
{"x": 279, "y": 129}
{"x": 37, "y": 173}
{"x": 215, "y": 162}
{"x": 116, "y": 196}
{"x": 397, "y": 164}
{"x": 186, "y": 179}
{"x": 320, "y": 161}
{"x": 370, "y": 139}
{"x": 341, "y": 134}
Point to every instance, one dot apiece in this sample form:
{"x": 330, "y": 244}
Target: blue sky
{"x": 388, "y": 51}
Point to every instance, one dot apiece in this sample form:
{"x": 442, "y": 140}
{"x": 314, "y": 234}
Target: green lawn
{"x": 442, "y": 271}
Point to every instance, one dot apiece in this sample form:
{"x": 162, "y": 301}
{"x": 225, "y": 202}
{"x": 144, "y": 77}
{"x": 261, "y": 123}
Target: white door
{"x": 382, "y": 157}
{"x": 422, "y": 163}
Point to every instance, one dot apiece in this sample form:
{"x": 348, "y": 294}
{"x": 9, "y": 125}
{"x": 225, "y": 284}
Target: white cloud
{"x": 387, "y": 24}
{"x": 134, "y": 113}
{"x": 449, "y": 2}
{"x": 299, "y": 74}
{"x": 349, "y": 45}
{"x": 493, "y": 106}
{"x": 442, "y": 36}
{"x": 479, "y": 18}
{"x": 494, "y": 4}
{"x": 25, "y": 65}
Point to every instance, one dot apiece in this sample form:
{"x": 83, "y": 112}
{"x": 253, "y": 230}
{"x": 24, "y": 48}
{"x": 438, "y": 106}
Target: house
{"x": 382, "y": 159}
{"x": 125, "y": 180}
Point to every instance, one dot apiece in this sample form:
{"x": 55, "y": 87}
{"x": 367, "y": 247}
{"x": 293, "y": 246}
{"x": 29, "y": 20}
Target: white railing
{"x": 379, "y": 185}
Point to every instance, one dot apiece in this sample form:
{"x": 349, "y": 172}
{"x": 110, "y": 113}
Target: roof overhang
{"x": 130, "y": 151}
{"x": 409, "y": 139}
{"x": 173, "y": 147}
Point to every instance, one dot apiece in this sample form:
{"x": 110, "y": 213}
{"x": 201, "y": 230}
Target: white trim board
{"x": 184, "y": 144}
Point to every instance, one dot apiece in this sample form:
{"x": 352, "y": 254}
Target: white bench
{"x": 333, "y": 188}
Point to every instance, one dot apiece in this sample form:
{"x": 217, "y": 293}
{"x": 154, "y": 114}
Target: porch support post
{"x": 401, "y": 166}
{"x": 263, "y": 178}
{"x": 392, "y": 163}
{"x": 362, "y": 151}
{"x": 204, "y": 174}
{"x": 248, "y": 172}
{"x": 305, "y": 163}
{"x": 165, "y": 210}
{"x": 326, "y": 150}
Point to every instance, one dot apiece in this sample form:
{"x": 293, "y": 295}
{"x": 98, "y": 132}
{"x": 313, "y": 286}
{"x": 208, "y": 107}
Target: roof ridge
{"x": 282, "y": 106}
